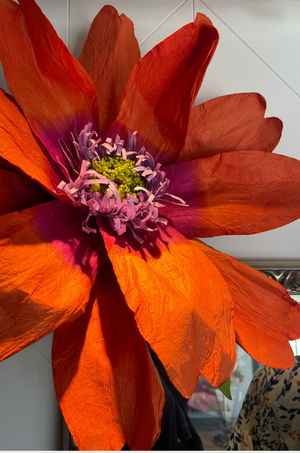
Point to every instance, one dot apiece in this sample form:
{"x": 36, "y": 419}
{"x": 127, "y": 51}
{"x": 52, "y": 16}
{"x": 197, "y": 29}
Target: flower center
{"x": 122, "y": 184}
{"x": 121, "y": 172}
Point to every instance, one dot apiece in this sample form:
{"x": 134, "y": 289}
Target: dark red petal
{"x": 52, "y": 88}
{"x": 230, "y": 123}
{"x": 18, "y": 192}
{"x": 266, "y": 318}
{"x": 106, "y": 383}
{"x": 47, "y": 269}
{"x": 109, "y": 54}
{"x": 181, "y": 304}
{"x": 162, "y": 88}
{"x": 240, "y": 192}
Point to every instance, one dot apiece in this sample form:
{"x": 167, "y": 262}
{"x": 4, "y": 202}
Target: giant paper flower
{"x": 106, "y": 294}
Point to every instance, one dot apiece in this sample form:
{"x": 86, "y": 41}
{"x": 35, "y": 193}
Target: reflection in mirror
{"x": 212, "y": 414}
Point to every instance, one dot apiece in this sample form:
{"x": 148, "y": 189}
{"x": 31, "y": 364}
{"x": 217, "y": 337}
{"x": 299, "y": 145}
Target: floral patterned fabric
{"x": 270, "y": 415}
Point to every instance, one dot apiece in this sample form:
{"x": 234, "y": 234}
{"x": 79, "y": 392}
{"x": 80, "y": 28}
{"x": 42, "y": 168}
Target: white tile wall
{"x": 272, "y": 32}
{"x": 57, "y": 12}
{"x": 29, "y": 412}
{"x": 258, "y": 51}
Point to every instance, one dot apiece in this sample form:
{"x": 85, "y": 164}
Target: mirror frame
{"x": 287, "y": 273}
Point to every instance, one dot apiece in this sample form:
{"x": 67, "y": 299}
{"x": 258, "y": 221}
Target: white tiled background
{"x": 259, "y": 51}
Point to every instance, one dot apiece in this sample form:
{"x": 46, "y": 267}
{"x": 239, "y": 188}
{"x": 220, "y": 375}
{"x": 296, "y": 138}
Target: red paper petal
{"x": 181, "y": 304}
{"x": 265, "y": 316}
{"x": 240, "y": 192}
{"x": 162, "y": 88}
{"x": 47, "y": 269}
{"x": 51, "y": 87}
{"x": 106, "y": 383}
{"x": 230, "y": 123}
{"x": 109, "y": 54}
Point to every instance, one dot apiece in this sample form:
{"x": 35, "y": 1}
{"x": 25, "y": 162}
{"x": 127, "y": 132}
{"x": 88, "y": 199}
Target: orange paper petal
{"x": 47, "y": 269}
{"x": 230, "y": 123}
{"x": 240, "y": 192}
{"x": 18, "y": 192}
{"x": 109, "y": 54}
{"x": 106, "y": 383}
{"x": 52, "y": 88}
{"x": 20, "y": 147}
{"x": 162, "y": 88}
{"x": 265, "y": 316}
{"x": 181, "y": 304}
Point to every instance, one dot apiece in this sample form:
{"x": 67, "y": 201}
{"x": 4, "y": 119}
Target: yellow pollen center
{"x": 120, "y": 171}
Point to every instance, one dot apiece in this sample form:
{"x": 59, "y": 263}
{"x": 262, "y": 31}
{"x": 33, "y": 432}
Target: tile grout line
{"x": 162, "y": 22}
{"x": 263, "y": 61}
{"x": 41, "y": 352}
